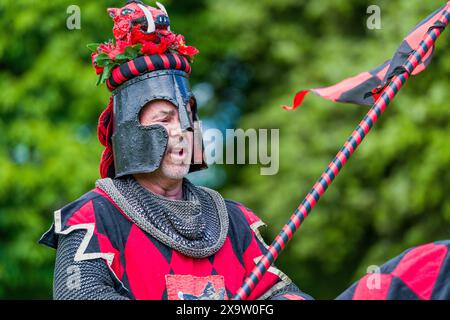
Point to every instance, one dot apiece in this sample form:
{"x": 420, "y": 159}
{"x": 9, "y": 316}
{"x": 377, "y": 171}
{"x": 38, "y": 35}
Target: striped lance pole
{"x": 335, "y": 166}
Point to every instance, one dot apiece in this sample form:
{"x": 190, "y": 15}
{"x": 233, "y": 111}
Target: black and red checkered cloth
{"x": 364, "y": 88}
{"x": 420, "y": 273}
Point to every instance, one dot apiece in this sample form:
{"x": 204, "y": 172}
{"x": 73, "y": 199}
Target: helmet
{"x": 146, "y": 62}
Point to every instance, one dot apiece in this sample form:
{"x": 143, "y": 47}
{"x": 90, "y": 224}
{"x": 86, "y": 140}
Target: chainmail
{"x": 95, "y": 281}
{"x": 92, "y": 279}
{"x": 196, "y": 227}
{"x": 82, "y": 280}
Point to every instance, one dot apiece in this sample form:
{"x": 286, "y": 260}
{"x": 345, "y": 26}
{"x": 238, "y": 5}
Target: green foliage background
{"x": 255, "y": 54}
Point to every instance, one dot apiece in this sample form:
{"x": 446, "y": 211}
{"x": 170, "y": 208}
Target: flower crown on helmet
{"x": 139, "y": 30}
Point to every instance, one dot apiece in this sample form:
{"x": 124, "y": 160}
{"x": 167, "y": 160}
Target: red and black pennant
{"x": 365, "y": 88}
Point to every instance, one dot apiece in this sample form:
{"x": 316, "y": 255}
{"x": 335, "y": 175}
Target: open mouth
{"x": 178, "y": 152}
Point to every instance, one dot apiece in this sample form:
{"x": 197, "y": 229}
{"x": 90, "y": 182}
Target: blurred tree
{"x": 254, "y": 56}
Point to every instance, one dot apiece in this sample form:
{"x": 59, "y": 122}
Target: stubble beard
{"x": 175, "y": 171}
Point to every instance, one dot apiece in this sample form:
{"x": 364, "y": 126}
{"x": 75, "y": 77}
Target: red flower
{"x": 150, "y": 47}
{"x": 118, "y": 48}
{"x": 168, "y": 37}
{"x": 180, "y": 40}
{"x": 105, "y": 47}
{"x": 98, "y": 70}
{"x": 188, "y": 50}
{"x": 183, "y": 48}
{"x": 112, "y": 50}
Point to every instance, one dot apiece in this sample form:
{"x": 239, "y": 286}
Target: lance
{"x": 387, "y": 94}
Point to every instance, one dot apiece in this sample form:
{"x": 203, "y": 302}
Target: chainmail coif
{"x": 196, "y": 226}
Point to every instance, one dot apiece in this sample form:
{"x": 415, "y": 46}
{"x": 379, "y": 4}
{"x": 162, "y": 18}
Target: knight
{"x": 145, "y": 231}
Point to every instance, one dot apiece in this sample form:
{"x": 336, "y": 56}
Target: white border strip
{"x": 80, "y": 255}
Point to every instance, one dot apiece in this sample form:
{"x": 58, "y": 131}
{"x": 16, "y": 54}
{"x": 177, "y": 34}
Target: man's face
{"x": 177, "y": 159}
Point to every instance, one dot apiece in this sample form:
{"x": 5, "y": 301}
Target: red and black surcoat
{"x": 145, "y": 268}
{"x": 149, "y": 269}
